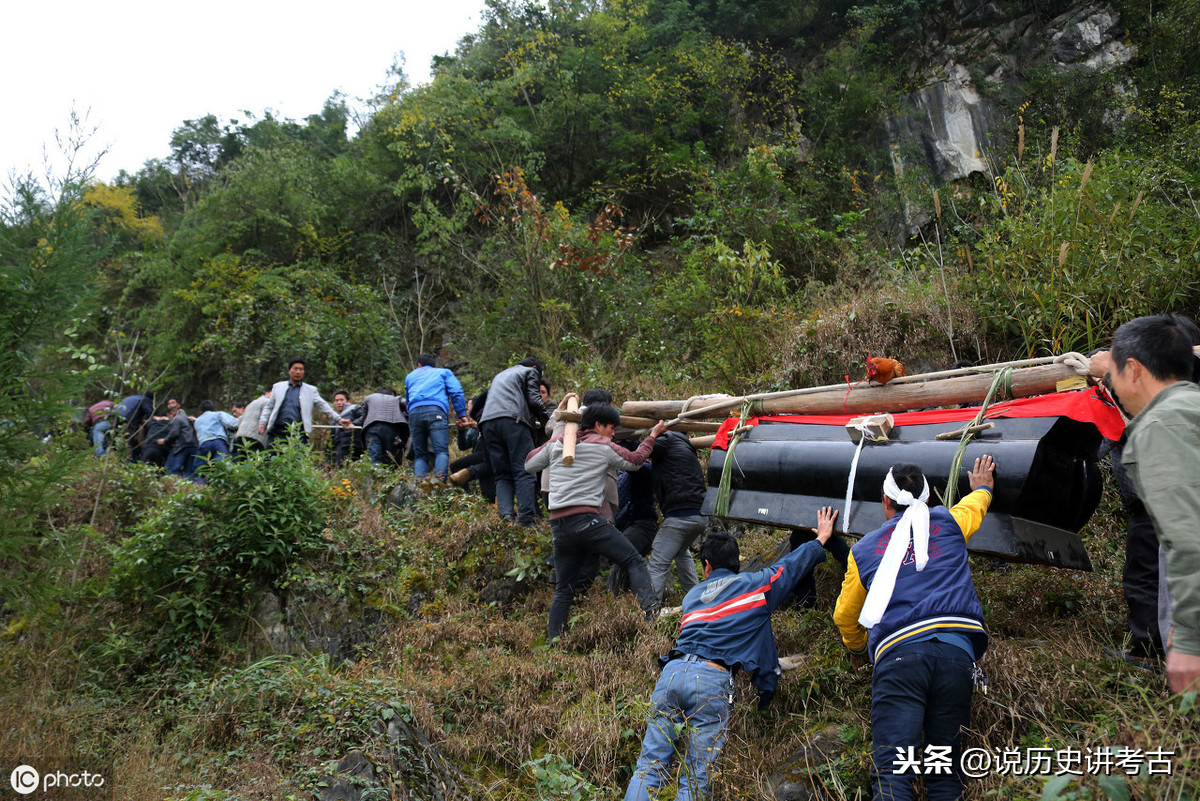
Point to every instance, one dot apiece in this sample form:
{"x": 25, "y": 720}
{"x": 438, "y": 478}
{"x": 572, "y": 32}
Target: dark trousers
{"x": 576, "y": 538}
{"x": 1139, "y": 579}
{"x": 508, "y": 443}
{"x": 480, "y": 468}
{"x": 137, "y": 441}
{"x": 384, "y": 445}
{"x": 244, "y": 445}
{"x": 347, "y": 445}
{"x": 281, "y": 432}
{"x": 804, "y": 594}
{"x": 640, "y": 534}
{"x": 182, "y": 462}
{"x": 210, "y": 451}
{"x": 153, "y": 453}
{"x": 920, "y": 696}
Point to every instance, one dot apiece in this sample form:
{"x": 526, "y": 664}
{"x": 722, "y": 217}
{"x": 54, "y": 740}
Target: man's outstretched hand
{"x": 983, "y": 474}
{"x": 825, "y": 517}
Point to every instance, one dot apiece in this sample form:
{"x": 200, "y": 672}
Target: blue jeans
{"x": 430, "y": 430}
{"x": 99, "y": 434}
{"x": 182, "y": 463}
{"x": 919, "y": 687}
{"x": 576, "y": 538}
{"x": 508, "y": 443}
{"x": 689, "y": 715}
{"x": 211, "y": 451}
{"x": 381, "y": 444}
{"x": 675, "y": 536}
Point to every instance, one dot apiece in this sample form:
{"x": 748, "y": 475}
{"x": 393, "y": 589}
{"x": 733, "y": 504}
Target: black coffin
{"x": 1047, "y": 482}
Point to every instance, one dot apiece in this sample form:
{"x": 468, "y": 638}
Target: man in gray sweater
{"x": 576, "y": 493}
{"x": 513, "y": 408}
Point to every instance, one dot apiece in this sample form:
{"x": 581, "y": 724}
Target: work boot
{"x": 460, "y": 478}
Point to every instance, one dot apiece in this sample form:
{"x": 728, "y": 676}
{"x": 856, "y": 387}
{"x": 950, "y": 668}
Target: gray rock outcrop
{"x": 403, "y": 763}
{"x": 798, "y": 778}
{"x": 1086, "y": 37}
{"x": 313, "y": 623}
{"x": 948, "y": 130}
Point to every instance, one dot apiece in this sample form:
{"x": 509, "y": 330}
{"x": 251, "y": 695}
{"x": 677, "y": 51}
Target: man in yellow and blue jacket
{"x": 909, "y": 604}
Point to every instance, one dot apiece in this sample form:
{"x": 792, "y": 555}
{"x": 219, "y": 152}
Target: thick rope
{"x": 1002, "y": 381}
{"x": 724, "y": 487}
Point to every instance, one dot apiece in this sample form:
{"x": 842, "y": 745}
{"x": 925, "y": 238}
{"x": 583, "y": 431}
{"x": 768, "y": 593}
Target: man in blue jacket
{"x": 908, "y": 603}
{"x": 212, "y": 429}
{"x": 430, "y": 391}
{"x": 726, "y": 627}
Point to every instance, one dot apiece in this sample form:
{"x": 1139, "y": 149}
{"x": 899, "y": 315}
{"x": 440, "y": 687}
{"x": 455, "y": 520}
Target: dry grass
{"x": 897, "y": 316}
{"x": 483, "y": 687}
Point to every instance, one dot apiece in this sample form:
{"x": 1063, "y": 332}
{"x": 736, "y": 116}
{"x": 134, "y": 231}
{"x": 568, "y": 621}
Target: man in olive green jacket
{"x": 1152, "y": 365}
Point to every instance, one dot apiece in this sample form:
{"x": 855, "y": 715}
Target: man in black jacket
{"x": 679, "y": 488}
{"x": 347, "y": 443}
{"x": 514, "y": 407}
{"x": 181, "y": 440}
{"x": 474, "y": 466}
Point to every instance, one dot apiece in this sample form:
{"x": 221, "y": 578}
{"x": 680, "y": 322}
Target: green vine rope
{"x": 724, "y": 491}
{"x": 1002, "y": 384}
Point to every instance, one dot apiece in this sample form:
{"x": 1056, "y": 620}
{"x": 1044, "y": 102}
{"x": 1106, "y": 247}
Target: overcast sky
{"x": 138, "y": 69}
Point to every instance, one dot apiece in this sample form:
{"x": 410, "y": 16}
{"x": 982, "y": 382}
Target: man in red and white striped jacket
{"x": 726, "y": 627}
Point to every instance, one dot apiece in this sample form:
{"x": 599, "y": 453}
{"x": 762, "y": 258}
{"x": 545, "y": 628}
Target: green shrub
{"x": 714, "y": 317}
{"x": 48, "y": 252}
{"x": 1079, "y": 248}
{"x": 196, "y": 562}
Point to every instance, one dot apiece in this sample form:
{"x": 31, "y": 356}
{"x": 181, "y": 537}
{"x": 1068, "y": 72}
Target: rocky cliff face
{"x": 948, "y": 130}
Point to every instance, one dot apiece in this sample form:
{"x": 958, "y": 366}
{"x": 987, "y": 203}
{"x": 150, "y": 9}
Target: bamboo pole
{"x": 570, "y": 434}
{"x": 863, "y": 398}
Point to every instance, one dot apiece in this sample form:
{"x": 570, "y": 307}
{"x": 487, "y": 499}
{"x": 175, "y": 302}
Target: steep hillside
{"x": 401, "y": 653}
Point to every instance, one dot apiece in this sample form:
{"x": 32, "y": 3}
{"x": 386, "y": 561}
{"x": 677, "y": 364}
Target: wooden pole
{"x": 968, "y": 385}
{"x": 863, "y": 398}
{"x": 700, "y": 443}
{"x": 570, "y": 434}
{"x": 695, "y": 426}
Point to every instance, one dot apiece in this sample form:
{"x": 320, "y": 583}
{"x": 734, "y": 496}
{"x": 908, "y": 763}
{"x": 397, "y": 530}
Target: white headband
{"x": 904, "y": 497}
